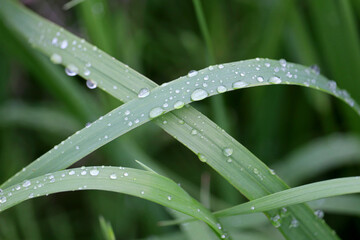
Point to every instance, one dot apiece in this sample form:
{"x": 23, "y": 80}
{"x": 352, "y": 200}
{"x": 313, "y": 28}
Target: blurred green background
{"x": 40, "y": 106}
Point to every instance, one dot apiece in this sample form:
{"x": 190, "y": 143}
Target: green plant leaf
{"x": 139, "y": 183}
{"x": 296, "y": 195}
{"x": 319, "y": 156}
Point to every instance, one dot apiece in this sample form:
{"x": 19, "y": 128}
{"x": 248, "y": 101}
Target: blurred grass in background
{"x": 40, "y": 106}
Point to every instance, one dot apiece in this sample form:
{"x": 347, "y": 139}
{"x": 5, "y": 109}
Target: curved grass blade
{"x": 292, "y": 196}
{"x": 319, "y": 156}
{"x": 347, "y": 204}
{"x": 168, "y": 97}
{"x": 124, "y": 83}
{"x": 41, "y": 118}
{"x": 139, "y": 183}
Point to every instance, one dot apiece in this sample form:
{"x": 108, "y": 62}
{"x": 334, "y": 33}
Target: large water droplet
{"x": 319, "y": 214}
{"x": 221, "y": 89}
{"x": 192, "y": 73}
{"x": 3, "y": 199}
{"x": 275, "y": 80}
{"x": 282, "y": 62}
{"x": 202, "y": 157}
{"x": 71, "y": 70}
{"x": 26, "y": 183}
{"x": 199, "y": 94}
{"x": 64, "y": 44}
{"x": 56, "y": 58}
{"x": 228, "y": 152}
{"x": 94, "y": 172}
{"x": 239, "y": 84}
{"x": 179, "y": 104}
{"x": 144, "y": 92}
{"x": 294, "y": 223}
{"x": 316, "y": 69}
{"x": 260, "y": 79}
{"x": 91, "y": 84}
{"x": 155, "y": 112}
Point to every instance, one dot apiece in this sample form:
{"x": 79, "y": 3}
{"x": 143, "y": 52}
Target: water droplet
{"x": 126, "y": 174}
{"x": 319, "y": 214}
{"x": 260, "y": 79}
{"x": 275, "y": 80}
{"x": 199, "y": 94}
{"x": 56, "y": 58}
{"x": 86, "y": 72}
{"x": 94, "y": 172}
{"x": 142, "y": 192}
{"x": 294, "y": 223}
{"x": 272, "y": 172}
{"x": 71, "y": 70}
{"x": 113, "y": 176}
{"x": 332, "y": 85}
{"x": 26, "y": 183}
{"x": 144, "y": 92}
{"x": 72, "y": 172}
{"x": 221, "y": 89}
{"x": 252, "y": 208}
{"x": 169, "y": 198}
{"x": 91, "y": 84}
{"x": 179, "y": 104}
{"x": 282, "y": 62}
{"x": 194, "y": 132}
{"x": 267, "y": 64}
{"x": 221, "y": 66}
{"x": 239, "y": 84}
{"x": 276, "y": 221}
{"x": 228, "y": 152}
{"x": 155, "y": 112}
{"x": 3, "y": 199}
{"x": 202, "y": 157}
{"x": 315, "y": 68}
{"x": 192, "y": 73}
{"x": 64, "y": 44}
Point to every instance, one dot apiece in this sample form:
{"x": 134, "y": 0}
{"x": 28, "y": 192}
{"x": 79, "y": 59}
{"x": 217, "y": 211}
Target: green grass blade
{"x": 181, "y": 91}
{"x": 40, "y": 118}
{"x": 319, "y": 156}
{"x": 106, "y": 229}
{"x": 296, "y": 195}
{"x": 347, "y": 204}
{"x": 139, "y": 183}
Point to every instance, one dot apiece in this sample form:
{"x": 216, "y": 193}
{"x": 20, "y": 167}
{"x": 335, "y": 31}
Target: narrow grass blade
{"x": 296, "y": 195}
{"x": 139, "y": 183}
{"x": 40, "y": 118}
{"x": 347, "y": 204}
{"x": 106, "y": 228}
{"x": 319, "y": 156}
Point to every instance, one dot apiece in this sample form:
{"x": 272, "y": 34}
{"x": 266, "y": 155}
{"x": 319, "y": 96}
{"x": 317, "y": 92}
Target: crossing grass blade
{"x": 124, "y": 83}
{"x": 296, "y": 195}
{"x": 319, "y": 156}
{"x": 302, "y": 194}
{"x": 139, "y": 183}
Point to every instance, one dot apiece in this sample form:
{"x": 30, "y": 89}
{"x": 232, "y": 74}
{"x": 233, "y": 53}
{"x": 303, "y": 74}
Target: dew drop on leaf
{"x": 91, "y": 84}
{"x": 199, "y": 94}
{"x": 239, "y": 84}
{"x": 228, "y": 152}
{"x": 56, "y": 58}
{"x": 192, "y": 73}
{"x": 155, "y": 112}
{"x": 71, "y": 70}
{"x": 144, "y": 92}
